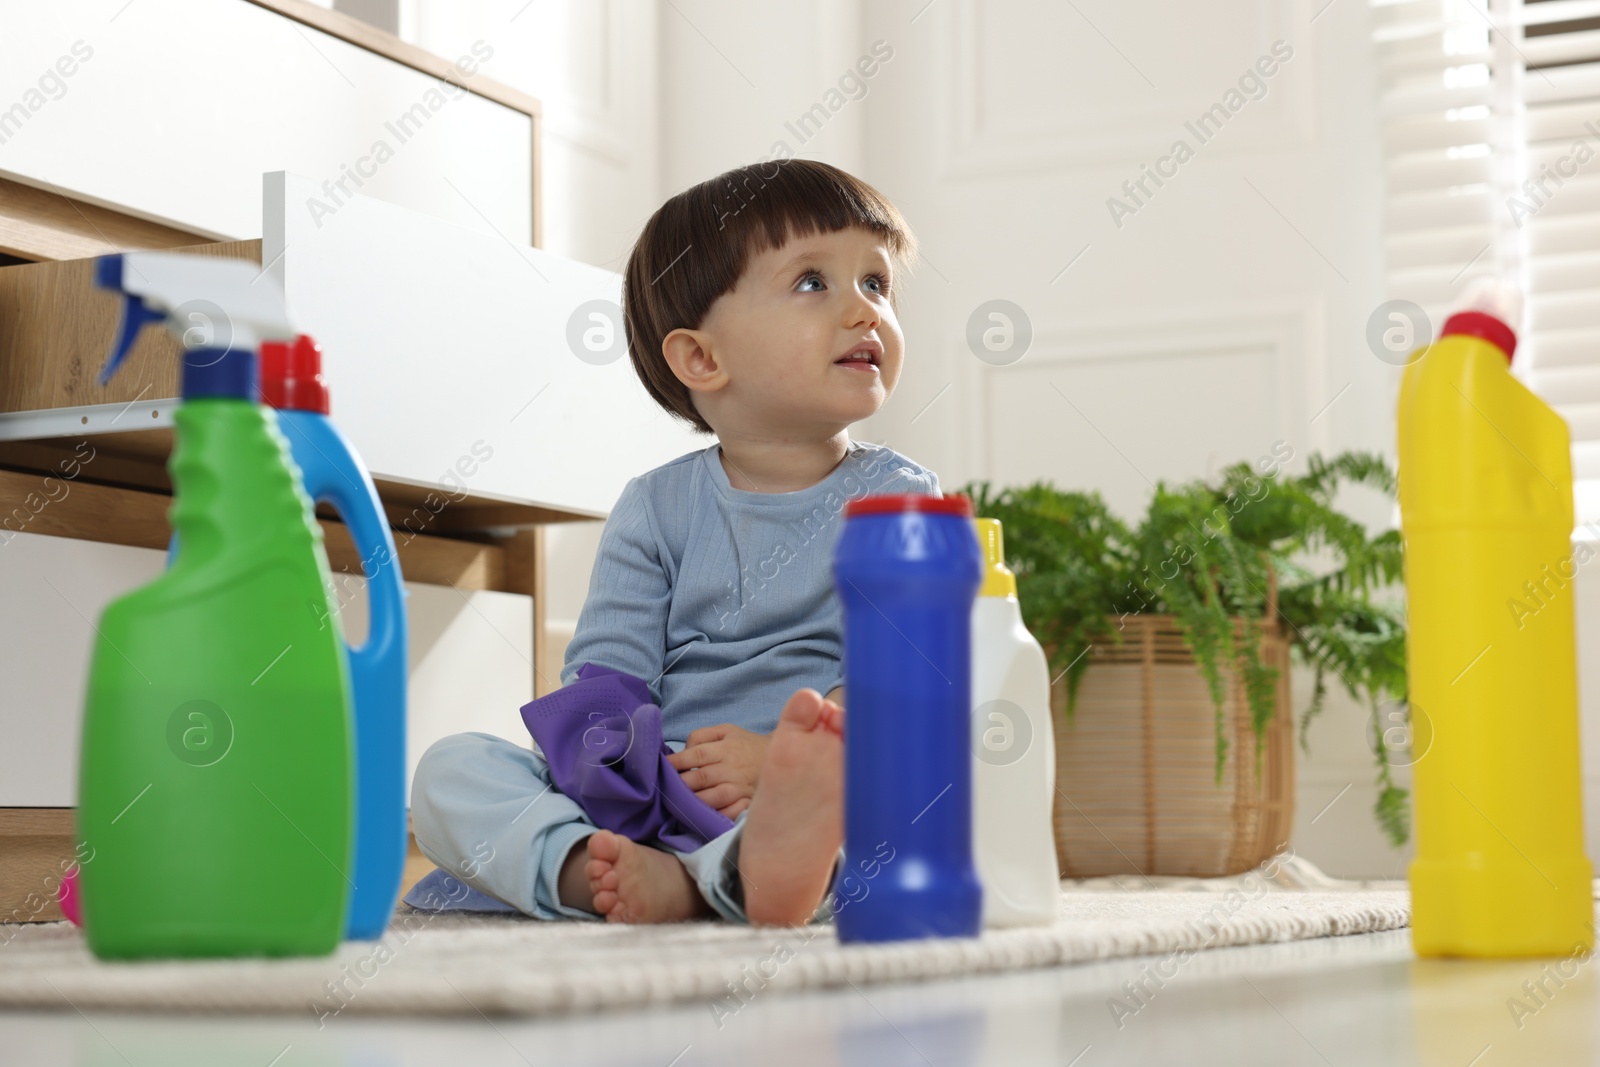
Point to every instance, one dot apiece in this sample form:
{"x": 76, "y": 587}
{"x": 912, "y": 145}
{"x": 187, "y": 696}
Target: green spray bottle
{"x": 215, "y": 792}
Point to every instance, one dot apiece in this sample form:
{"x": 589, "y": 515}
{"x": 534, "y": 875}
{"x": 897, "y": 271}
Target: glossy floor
{"x": 1358, "y": 1000}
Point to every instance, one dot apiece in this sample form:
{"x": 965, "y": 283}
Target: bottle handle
{"x": 374, "y": 542}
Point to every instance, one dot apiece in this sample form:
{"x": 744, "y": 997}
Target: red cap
{"x": 891, "y": 502}
{"x": 291, "y": 376}
{"x": 1481, "y": 324}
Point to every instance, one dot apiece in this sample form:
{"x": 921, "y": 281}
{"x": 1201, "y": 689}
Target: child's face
{"x": 777, "y": 337}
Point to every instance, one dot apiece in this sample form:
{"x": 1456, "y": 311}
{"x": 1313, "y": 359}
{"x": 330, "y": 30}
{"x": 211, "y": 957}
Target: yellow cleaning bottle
{"x": 1486, "y": 512}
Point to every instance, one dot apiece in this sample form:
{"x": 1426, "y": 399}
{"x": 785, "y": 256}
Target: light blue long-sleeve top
{"x": 721, "y": 599}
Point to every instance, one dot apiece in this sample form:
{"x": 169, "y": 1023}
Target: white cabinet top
{"x": 171, "y": 110}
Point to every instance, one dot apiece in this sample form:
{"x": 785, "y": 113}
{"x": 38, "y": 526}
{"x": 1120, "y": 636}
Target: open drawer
{"x": 465, "y": 367}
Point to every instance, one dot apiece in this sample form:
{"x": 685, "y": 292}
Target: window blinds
{"x": 1491, "y": 132}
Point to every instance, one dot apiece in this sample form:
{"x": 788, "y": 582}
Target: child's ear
{"x": 688, "y": 353}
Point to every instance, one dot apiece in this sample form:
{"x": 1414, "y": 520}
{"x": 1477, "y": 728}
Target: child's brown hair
{"x": 697, "y": 245}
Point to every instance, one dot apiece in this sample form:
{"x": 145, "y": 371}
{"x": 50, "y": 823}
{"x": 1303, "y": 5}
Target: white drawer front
{"x": 447, "y": 351}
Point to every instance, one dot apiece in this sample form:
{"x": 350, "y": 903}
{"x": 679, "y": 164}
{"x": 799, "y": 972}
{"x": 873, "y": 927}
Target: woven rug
{"x": 463, "y": 964}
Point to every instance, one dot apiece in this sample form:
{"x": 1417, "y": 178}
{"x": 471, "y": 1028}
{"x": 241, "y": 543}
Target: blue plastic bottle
{"x": 908, "y": 568}
{"x": 332, "y": 472}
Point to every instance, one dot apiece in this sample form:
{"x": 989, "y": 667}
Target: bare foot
{"x": 795, "y": 823}
{"x": 636, "y": 884}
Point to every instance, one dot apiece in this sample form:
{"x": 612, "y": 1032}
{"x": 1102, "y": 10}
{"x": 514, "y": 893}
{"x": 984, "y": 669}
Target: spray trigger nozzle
{"x": 136, "y": 314}
{"x": 219, "y": 305}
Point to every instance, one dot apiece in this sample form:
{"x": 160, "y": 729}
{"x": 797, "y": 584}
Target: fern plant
{"x": 1209, "y": 553}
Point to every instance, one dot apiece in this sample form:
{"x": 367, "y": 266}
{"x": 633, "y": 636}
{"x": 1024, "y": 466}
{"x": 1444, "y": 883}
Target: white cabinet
{"x": 456, "y": 360}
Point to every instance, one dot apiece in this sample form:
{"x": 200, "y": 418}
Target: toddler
{"x": 758, "y": 307}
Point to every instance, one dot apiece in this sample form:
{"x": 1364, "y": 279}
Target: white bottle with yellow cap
{"x": 1013, "y": 752}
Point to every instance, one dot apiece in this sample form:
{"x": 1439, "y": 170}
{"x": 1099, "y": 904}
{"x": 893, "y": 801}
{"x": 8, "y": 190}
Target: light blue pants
{"x": 485, "y": 809}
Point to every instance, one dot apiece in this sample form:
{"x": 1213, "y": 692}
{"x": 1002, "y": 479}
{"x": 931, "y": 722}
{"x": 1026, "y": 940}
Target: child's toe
{"x": 832, "y": 717}
{"x": 803, "y": 710}
{"x": 605, "y": 845}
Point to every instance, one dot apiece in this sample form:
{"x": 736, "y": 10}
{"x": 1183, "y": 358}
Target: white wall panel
{"x": 1080, "y": 407}
{"x": 1041, "y": 86}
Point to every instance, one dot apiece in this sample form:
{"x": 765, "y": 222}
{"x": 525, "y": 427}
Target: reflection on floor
{"x": 1360, "y": 1000}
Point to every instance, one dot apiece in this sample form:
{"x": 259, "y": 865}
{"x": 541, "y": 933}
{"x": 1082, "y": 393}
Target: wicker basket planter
{"x": 1136, "y": 769}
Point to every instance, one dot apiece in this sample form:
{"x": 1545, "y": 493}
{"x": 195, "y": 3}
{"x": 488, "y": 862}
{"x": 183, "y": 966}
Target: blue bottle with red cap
{"x": 292, "y": 383}
{"x": 908, "y": 568}
{"x": 332, "y": 472}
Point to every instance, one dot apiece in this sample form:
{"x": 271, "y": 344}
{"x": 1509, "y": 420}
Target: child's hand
{"x": 722, "y": 764}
